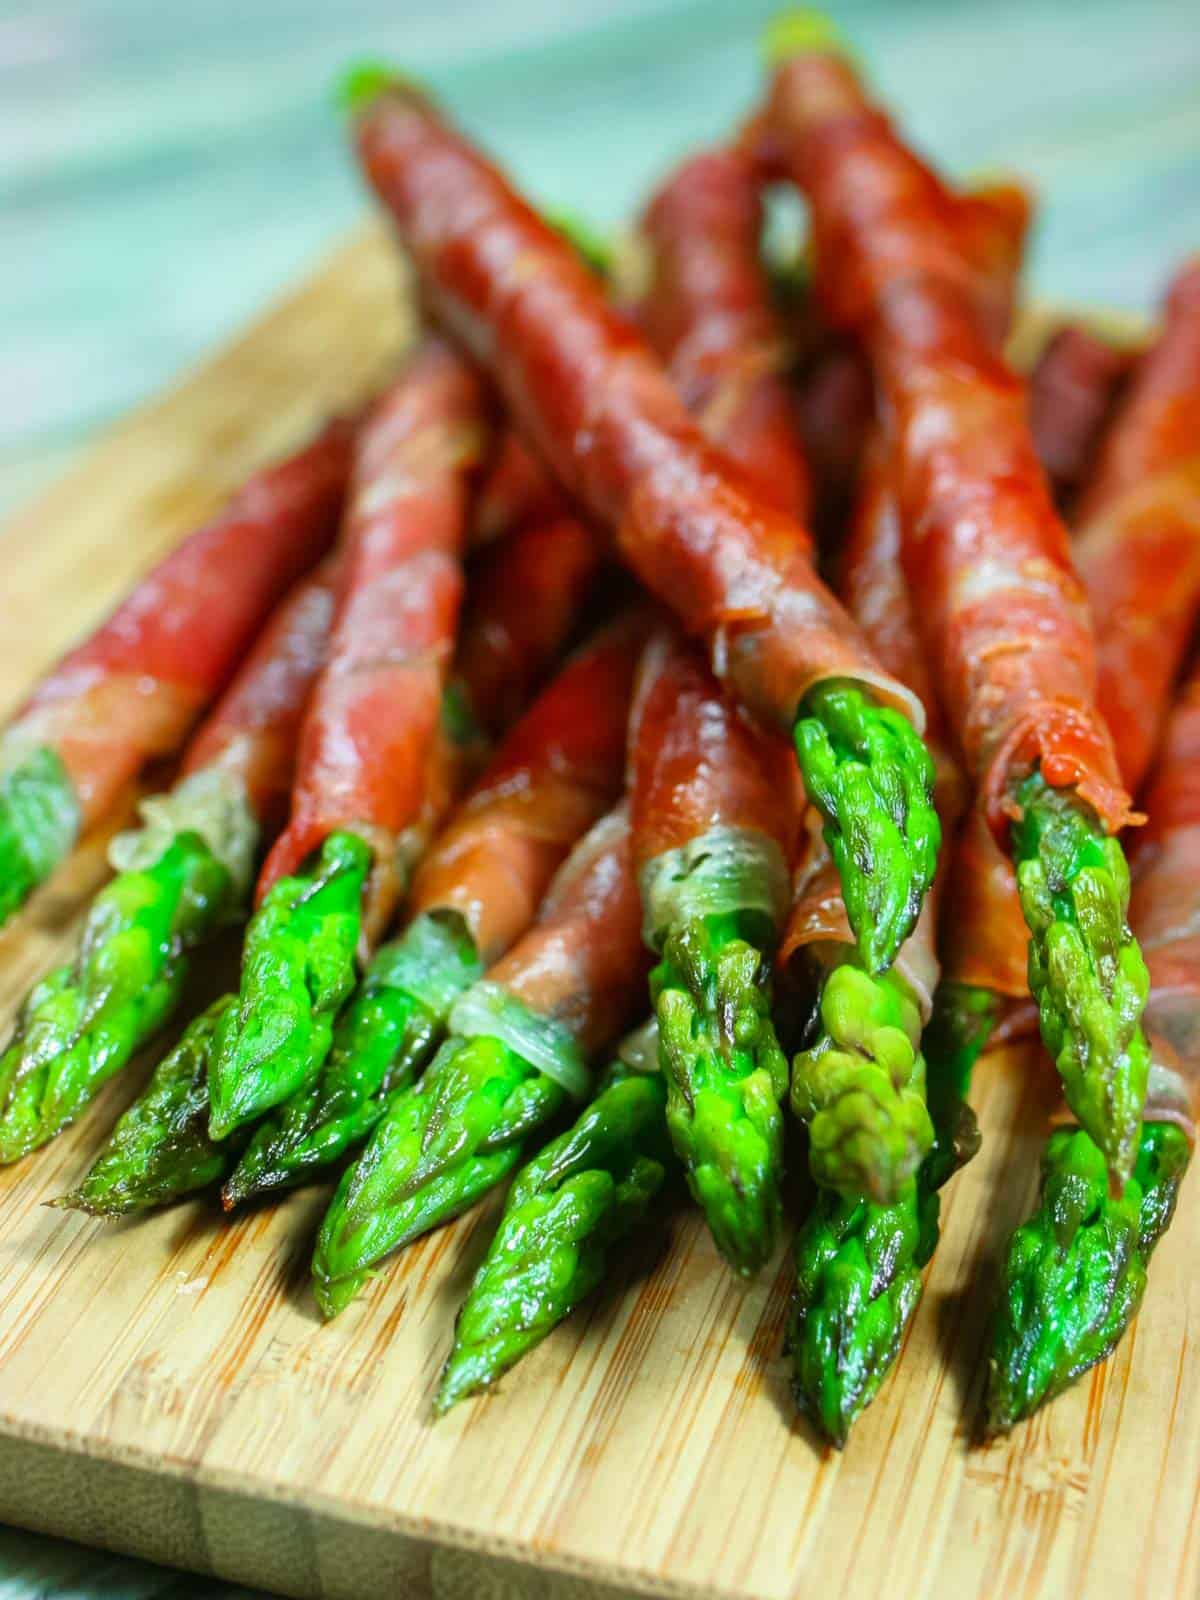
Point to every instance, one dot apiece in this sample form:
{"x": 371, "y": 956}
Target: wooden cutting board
{"x": 167, "y": 1389}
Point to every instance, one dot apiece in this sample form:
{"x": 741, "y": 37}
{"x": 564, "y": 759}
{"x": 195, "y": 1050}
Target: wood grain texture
{"x": 167, "y": 1389}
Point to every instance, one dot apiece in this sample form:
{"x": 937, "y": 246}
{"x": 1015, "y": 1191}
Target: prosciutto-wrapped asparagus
{"x": 871, "y": 1078}
{"x": 185, "y": 873}
{"x": 474, "y": 894}
{"x": 524, "y": 601}
{"x": 131, "y": 693}
{"x": 860, "y": 1086}
{"x": 516, "y": 491}
{"x": 724, "y": 827}
{"x": 161, "y": 1149}
{"x": 881, "y": 1140}
{"x": 1138, "y": 551}
{"x": 517, "y": 1056}
{"x": 707, "y": 312}
{"x": 1138, "y": 542}
{"x": 1074, "y": 388}
{"x": 333, "y": 877}
{"x": 738, "y": 572}
{"x": 1003, "y": 615}
{"x": 713, "y": 827}
{"x": 1075, "y": 1273}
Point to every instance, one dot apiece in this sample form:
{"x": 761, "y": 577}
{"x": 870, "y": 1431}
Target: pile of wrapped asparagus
{"x": 706, "y": 691}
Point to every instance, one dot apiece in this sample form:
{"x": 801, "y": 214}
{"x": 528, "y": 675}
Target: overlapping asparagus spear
{"x": 616, "y": 435}
{"x": 185, "y": 873}
{"x": 1003, "y": 615}
{"x": 130, "y": 694}
{"x": 1075, "y": 1273}
{"x": 585, "y": 1191}
{"x": 332, "y": 879}
{"x": 859, "y": 1262}
{"x": 861, "y": 1084}
{"x": 160, "y": 1148}
{"x": 474, "y": 894}
{"x": 515, "y": 1058}
{"x": 886, "y": 1104}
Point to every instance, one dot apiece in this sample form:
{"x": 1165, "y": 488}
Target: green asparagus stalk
{"x": 592, "y": 1186}
{"x": 384, "y": 1035}
{"x": 441, "y": 1145}
{"x": 160, "y": 1150}
{"x": 297, "y": 970}
{"x": 860, "y": 1087}
{"x": 39, "y": 822}
{"x": 1085, "y": 968}
{"x": 726, "y": 1077}
{"x": 858, "y": 1263}
{"x": 870, "y": 776}
{"x": 1075, "y": 1273}
{"x": 187, "y": 871}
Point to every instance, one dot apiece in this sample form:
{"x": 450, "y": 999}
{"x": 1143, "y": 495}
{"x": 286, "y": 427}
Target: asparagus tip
{"x": 78, "y": 1200}
{"x": 472, "y": 1370}
{"x": 1000, "y": 1415}
{"x": 335, "y": 1294}
{"x": 364, "y": 82}
{"x": 800, "y": 31}
{"x": 454, "y": 1385}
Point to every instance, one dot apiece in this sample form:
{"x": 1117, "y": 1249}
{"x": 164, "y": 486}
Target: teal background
{"x": 168, "y": 165}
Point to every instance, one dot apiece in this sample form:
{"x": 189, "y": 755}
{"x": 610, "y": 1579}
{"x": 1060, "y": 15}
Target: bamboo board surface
{"x": 167, "y": 1389}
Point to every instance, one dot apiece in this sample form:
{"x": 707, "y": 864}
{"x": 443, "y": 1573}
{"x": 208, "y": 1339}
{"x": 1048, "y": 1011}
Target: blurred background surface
{"x": 167, "y": 167}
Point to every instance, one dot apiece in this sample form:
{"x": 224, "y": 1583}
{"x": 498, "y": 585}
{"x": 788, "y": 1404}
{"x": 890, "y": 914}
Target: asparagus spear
{"x": 1002, "y": 619}
{"x": 182, "y": 874}
{"x": 749, "y": 587}
{"x": 515, "y": 1057}
{"x": 858, "y": 1263}
{"x": 1085, "y": 967}
{"x": 1075, "y": 1273}
{"x": 383, "y": 1037}
{"x": 85, "y": 1020}
{"x": 871, "y": 777}
{"x": 160, "y": 1150}
{"x": 726, "y": 1076}
{"x": 589, "y": 1188}
{"x": 441, "y": 1145}
{"x": 712, "y": 824}
{"x": 474, "y": 894}
{"x": 297, "y": 969}
{"x": 39, "y": 822}
{"x": 860, "y": 1087}
{"x": 364, "y": 772}
{"x": 127, "y": 696}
